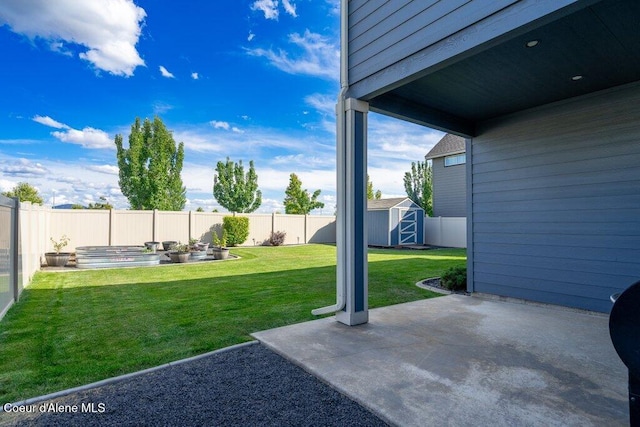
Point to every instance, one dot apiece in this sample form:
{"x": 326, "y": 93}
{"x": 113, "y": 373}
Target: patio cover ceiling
{"x": 595, "y": 48}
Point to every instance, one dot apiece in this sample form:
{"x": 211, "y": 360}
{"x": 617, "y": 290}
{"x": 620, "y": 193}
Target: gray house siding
{"x": 393, "y": 40}
{"x": 556, "y": 201}
{"x": 449, "y": 189}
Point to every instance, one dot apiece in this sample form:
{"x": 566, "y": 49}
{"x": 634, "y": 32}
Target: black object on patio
{"x": 624, "y": 328}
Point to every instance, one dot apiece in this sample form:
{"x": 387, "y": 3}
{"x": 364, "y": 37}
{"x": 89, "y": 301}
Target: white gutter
{"x": 340, "y": 137}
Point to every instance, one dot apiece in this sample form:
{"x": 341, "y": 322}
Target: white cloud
{"x": 48, "y": 121}
{"x": 87, "y": 137}
{"x": 324, "y": 104}
{"x": 199, "y": 141}
{"x": 161, "y": 108}
{"x": 107, "y": 169}
{"x": 250, "y": 36}
{"x": 220, "y": 125}
{"x": 195, "y": 76}
{"x": 268, "y": 7}
{"x": 166, "y": 73}
{"x": 319, "y": 56}
{"x": 237, "y": 130}
{"x": 290, "y": 8}
{"x": 24, "y": 168}
{"x": 390, "y": 139}
{"x": 108, "y": 29}
{"x": 6, "y": 185}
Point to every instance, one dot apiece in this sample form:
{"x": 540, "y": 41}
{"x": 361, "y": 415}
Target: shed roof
{"x": 449, "y": 144}
{"x": 382, "y": 204}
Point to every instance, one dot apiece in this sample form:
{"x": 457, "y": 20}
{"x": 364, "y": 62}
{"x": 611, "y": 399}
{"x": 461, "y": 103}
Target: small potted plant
{"x": 220, "y": 249}
{"x": 152, "y": 245}
{"x": 167, "y": 244}
{"x": 197, "y": 251}
{"x": 179, "y": 252}
{"x": 57, "y": 258}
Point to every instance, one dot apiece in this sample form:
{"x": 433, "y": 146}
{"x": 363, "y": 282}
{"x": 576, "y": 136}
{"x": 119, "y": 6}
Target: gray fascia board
{"x": 394, "y": 106}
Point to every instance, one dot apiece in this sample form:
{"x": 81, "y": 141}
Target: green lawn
{"x": 78, "y": 327}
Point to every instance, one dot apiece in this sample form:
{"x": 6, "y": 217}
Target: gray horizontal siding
{"x": 556, "y": 201}
{"x": 392, "y": 40}
{"x": 407, "y": 27}
{"x": 449, "y": 189}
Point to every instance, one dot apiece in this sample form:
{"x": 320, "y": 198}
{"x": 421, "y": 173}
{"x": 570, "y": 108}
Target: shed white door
{"x": 408, "y": 227}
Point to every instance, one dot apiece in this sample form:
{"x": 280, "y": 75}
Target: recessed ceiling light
{"x": 576, "y": 78}
{"x": 532, "y": 43}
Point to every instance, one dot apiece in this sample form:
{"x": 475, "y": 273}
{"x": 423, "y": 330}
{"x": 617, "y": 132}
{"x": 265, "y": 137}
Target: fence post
{"x": 154, "y": 226}
{"x": 305, "y": 228}
{"x": 15, "y": 246}
{"x": 273, "y": 223}
{"x": 190, "y": 225}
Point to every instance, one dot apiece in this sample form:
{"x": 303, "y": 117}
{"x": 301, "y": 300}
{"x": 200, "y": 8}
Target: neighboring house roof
{"x": 448, "y": 145}
{"x": 383, "y": 204}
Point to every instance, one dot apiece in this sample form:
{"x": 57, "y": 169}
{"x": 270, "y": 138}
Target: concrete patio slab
{"x": 466, "y": 361}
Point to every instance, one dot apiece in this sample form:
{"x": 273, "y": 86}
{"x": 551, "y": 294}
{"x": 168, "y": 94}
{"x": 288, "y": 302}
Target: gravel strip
{"x": 250, "y": 385}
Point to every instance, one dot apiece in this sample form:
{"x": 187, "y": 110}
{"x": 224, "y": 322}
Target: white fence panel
{"x": 446, "y": 231}
{"x": 293, "y": 225}
{"x": 260, "y": 226}
{"x": 34, "y": 232}
{"x": 321, "y": 229}
{"x": 129, "y": 228}
{"x": 203, "y": 224}
{"x": 83, "y": 227}
{"x": 172, "y": 225}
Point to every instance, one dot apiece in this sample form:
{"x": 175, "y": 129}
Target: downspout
{"x": 340, "y": 137}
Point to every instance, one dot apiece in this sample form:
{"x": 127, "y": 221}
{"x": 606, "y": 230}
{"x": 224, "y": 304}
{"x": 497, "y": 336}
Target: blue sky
{"x": 252, "y": 80}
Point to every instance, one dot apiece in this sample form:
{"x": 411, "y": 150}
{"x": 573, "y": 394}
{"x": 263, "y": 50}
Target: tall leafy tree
{"x": 150, "y": 168}
{"x": 418, "y": 183}
{"x": 297, "y": 200}
{"x": 235, "y": 190}
{"x": 25, "y": 193}
{"x": 377, "y": 195}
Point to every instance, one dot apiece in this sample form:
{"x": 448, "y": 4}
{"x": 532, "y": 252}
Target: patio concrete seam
{"x": 124, "y": 377}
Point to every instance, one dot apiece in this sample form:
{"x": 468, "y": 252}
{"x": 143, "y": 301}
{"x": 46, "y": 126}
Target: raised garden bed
{"x": 114, "y": 256}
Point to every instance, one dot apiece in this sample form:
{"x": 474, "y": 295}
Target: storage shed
{"x": 395, "y": 222}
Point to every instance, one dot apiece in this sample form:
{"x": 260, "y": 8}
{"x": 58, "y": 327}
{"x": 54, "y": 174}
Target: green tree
{"x": 235, "y": 190}
{"x": 370, "y": 193}
{"x": 102, "y": 204}
{"x": 150, "y": 168}
{"x": 236, "y": 229}
{"x": 418, "y": 183}
{"x": 297, "y": 200}
{"x": 25, "y": 193}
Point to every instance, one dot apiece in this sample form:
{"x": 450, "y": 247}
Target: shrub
{"x": 455, "y": 278}
{"x": 237, "y": 229}
{"x": 277, "y": 238}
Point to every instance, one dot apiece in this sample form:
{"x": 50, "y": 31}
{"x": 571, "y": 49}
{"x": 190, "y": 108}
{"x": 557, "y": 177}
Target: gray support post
{"x": 351, "y": 242}
{"x": 469, "y": 177}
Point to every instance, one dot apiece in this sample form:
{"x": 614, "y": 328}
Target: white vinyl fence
{"x": 449, "y": 232}
{"x": 25, "y": 234}
{"x": 121, "y": 227}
